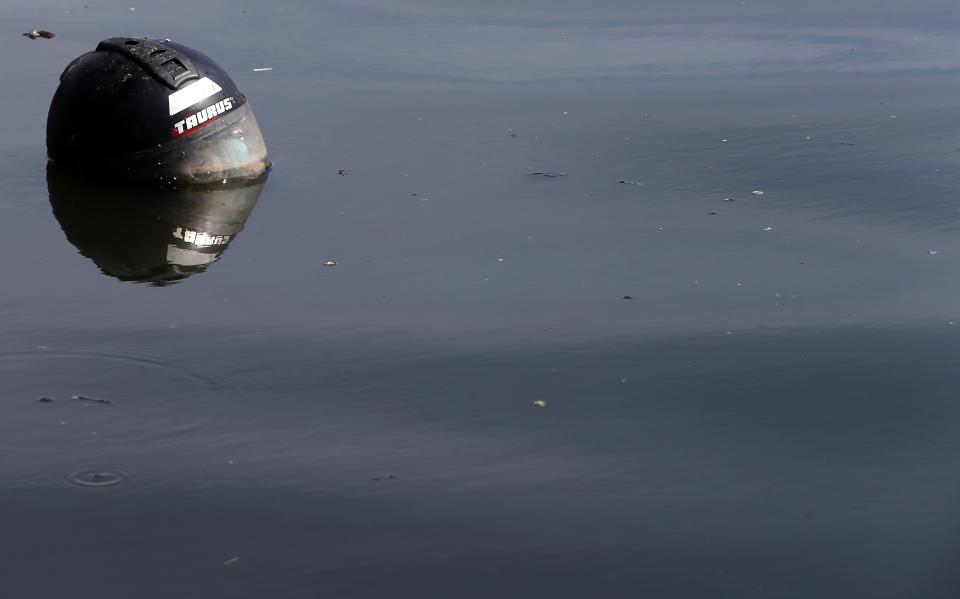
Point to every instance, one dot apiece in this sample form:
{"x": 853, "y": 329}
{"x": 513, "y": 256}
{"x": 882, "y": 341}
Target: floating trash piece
{"x": 97, "y": 478}
{"x": 91, "y": 399}
{"x": 45, "y": 399}
{"x": 512, "y": 133}
{"x": 933, "y": 252}
{"x": 540, "y": 403}
{"x": 231, "y": 561}
{"x": 768, "y": 228}
{"x": 846, "y": 143}
{"x": 728, "y": 200}
{"x": 547, "y": 174}
{"x": 343, "y": 172}
{"x": 34, "y": 34}
{"x": 628, "y": 297}
{"x": 723, "y": 140}
{"x": 757, "y": 192}
{"x": 628, "y": 182}
{"x": 713, "y": 213}
{"x": 329, "y": 263}
{"x": 261, "y": 69}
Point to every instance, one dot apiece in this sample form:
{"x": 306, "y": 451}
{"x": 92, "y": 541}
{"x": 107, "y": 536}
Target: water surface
{"x": 771, "y": 414}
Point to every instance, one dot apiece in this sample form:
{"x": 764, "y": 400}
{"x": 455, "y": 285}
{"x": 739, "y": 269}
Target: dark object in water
{"x": 34, "y": 34}
{"x": 628, "y": 297}
{"x": 549, "y": 175}
{"x": 92, "y": 399}
{"x": 154, "y": 111}
{"x": 45, "y": 399}
{"x": 343, "y": 172}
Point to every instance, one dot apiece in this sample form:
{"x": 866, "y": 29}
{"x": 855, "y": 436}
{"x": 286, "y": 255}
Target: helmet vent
{"x": 160, "y": 60}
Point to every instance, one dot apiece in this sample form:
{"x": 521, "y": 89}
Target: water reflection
{"x": 155, "y": 236}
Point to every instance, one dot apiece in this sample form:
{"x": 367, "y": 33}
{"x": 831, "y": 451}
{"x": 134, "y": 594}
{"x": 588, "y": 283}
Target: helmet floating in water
{"x": 153, "y": 111}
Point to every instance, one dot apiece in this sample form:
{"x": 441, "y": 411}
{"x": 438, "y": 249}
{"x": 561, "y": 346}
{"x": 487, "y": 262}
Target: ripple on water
{"x": 97, "y": 478}
{"x": 151, "y": 399}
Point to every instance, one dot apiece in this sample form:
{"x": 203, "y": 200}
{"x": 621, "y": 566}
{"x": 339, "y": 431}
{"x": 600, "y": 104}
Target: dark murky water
{"x": 774, "y": 413}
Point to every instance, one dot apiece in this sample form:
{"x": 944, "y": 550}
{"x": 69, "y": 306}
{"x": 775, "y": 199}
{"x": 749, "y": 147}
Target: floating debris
{"x": 845, "y": 143}
{"x": 540, "y": 403}
{"x": 512, "y": 133}
{"x": 45, "y": 399}
{"x": 768, "y": 228}
{"x": 729, "y": 200}
{"x": 343, "y": 172}
{"x": 933, "y": 252}
{"x": 231, "y": 561}
{"x": 329, "y": 263}
{"x": 97, "y": 478}
{"x": 628, "y": 182}
{"x": 757, "y": 192}
{"x": 34, "y": 34}
{"x": 628, "y": 297}
{"x": 547, "y": 174}
{"x": 90, "y": 399}
{"x": 261, "y": 69}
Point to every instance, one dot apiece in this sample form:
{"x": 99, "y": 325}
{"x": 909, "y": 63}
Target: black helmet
{"x": 155, "y": 111}
{"x": 165, "y": 235}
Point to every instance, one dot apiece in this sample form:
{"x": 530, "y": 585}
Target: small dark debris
{"x": 845, "y": 143}
{"x": 628, "y": 182}
{"x": 91, "y": 399}
{"x": 45, "y": 399}
{"x": 343, "y": 172}
{"x": 34, "y": 34}
{"x": 547, "y": 174}
{"x": 628, "y": 297}
{"x": 713, "y": 213}
{"x": 729, "y": 200}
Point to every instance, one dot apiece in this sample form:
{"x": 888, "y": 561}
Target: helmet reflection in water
{"x": 150, "y": 235}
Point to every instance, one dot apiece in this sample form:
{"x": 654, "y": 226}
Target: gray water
{"x": 774, "y": 413}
